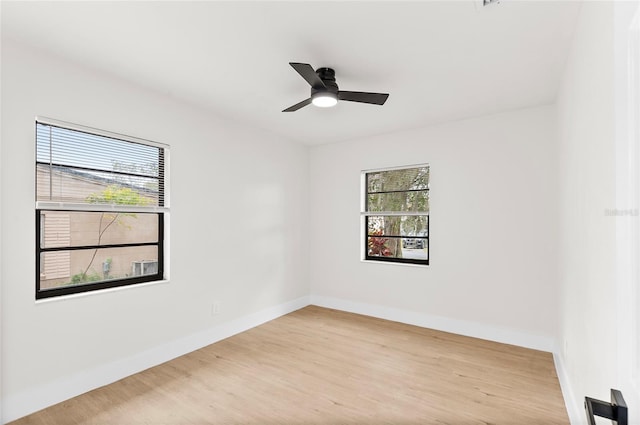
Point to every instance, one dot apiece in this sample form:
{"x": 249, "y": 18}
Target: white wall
{"x": 1, "y": 239}
{"x": 493, "y": 228}
{"x": 505, "y": 196}
{"x": 589, "y": 295}
{"x": 238, "y": 207}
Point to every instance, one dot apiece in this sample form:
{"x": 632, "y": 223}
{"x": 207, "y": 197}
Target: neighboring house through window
{"x": 100, "y": 209}
{"x": 395, "y": 214}
{"x": 55, "y": 232}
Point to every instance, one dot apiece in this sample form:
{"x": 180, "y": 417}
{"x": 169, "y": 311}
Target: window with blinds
{"x": 100, "y": 209}
{"x": 395, "y": 215}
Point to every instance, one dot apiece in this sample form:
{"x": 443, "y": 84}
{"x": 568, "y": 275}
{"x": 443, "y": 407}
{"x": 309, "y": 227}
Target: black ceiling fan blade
{"x": 298, "y": 105}
{"x": 306, "y": 71}
{"x": 363, "y": 97}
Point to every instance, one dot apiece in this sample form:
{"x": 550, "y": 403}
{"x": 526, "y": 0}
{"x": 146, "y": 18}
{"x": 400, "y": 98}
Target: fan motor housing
{"x": 328, "y": 77}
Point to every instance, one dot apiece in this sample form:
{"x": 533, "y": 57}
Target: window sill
{"x": 393, "y": 263}
{"x": 100, "y": 291}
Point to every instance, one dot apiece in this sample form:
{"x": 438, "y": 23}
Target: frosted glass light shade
{"x": 324, "y": 100}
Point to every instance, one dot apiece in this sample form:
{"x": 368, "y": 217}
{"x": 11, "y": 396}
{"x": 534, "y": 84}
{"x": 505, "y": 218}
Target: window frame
{"x": 365, "y": 214}
{"x": 161, "y": 210}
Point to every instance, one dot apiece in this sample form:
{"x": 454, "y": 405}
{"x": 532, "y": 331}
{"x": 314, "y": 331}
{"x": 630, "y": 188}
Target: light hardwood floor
{"x": 321, "y": 366}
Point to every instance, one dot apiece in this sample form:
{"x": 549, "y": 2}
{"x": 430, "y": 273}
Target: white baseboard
{"x": 460, "y": 327}
{"x": 576, "y": 415}
{"x": 24, "y": 403}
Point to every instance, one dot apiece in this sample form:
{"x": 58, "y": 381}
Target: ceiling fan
{"x": 324, "y": 90}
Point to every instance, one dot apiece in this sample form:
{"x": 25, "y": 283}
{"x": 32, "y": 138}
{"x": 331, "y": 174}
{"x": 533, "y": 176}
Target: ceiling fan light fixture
{"x": 324, "y": 99}
{"x": 325, "y": 92}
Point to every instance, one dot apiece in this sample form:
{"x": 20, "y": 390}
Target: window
{"x": 395, "y": 215}
{"x": 100, "y": 209}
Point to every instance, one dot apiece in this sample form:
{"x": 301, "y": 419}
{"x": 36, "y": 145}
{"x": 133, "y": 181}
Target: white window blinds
{"x": 83, "y": 166}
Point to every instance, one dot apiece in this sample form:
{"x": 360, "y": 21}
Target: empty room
{"x": 320, "y": 212}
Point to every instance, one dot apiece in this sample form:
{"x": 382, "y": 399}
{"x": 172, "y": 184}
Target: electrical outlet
{"x": 215, "y": 308}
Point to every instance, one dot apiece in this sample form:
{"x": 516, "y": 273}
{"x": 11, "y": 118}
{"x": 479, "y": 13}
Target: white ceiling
{"x": 439, "y": 60}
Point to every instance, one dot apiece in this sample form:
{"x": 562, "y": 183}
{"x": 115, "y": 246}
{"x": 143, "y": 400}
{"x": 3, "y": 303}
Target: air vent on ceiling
{"x": 488, "y": 2}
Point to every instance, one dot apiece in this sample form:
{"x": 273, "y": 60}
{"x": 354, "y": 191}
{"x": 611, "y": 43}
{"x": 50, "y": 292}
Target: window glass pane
{"x": 80, "y": 228}
{"x": 398, "y": 237}
{"x": 83, "y": 266}
{"x": 415, "y": 201}
{"x": 398, "y": 180}
{"x": 390, "y": 247}
{"x": 404, "y": 225}
{"x": 64, "y": 184}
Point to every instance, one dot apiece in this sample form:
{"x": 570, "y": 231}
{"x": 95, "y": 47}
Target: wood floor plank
{"x": 322, "y": 366}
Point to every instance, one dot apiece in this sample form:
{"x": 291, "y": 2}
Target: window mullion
{"x": 394, "y": 213}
